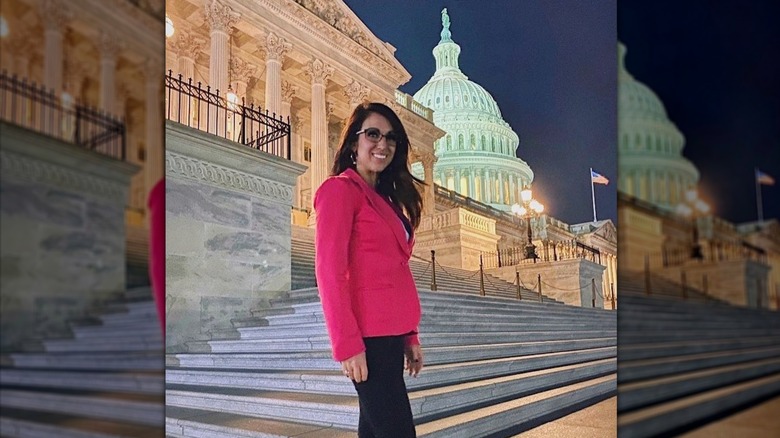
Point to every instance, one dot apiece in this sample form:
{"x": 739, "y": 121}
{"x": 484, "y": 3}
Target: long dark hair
{"x": 395, "y": 182}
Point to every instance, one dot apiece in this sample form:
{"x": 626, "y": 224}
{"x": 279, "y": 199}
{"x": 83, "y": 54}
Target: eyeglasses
{"x": 374, "y": 135}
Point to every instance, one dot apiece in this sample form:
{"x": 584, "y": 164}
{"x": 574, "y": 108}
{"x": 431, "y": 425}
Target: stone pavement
{"x": 597, "y": 421}
{"x": 760, "y": 421}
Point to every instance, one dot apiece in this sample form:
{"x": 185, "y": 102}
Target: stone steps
{"x": 514, "y": 416}
{"x": 314, "y": 329}
{"x": 322, "y": 342}
{"x": 102, "y": 378}
{"x": 470, "y": 365}
{"x": 662, "y": 367}
{"x": 95, "y": 332}
{"x": 434, "y": 310}
{"x": 87, "y": 361}
{"x": 198, "y": 369}
{"x": 195, "y": 423}
{"x": 26, "y": 424}
{"x": 108, "y": 343}
{"x": 655, "y": 349}
{"x": 447, "y": 279}
{"x": 433, "y": 355}
{"x": 131, "y": 382}
{"x": 495, "y": 355}
{"x": 646, "y": 392}
{"x": 427, "y": 405}
{"x": 683, "y": 363}
{"x": 136, "y": 409}
{"x": 695, "y": 409}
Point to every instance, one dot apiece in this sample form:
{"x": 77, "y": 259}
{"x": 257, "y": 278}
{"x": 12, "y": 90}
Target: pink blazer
{"x": 362, "y": 266}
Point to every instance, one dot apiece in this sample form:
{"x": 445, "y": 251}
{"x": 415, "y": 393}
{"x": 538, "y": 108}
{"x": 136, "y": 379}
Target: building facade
{"x": 311, "y": 62}
{"x": 738, "y": 263}
{"x": 478, "y": 156}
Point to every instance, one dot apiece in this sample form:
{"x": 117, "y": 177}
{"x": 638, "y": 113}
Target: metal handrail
{"x": 197, "y": 106}
{"x": 34, "y": 107}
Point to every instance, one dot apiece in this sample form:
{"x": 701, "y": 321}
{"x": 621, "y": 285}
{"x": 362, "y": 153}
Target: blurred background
{"x": 80, "y": 114}
{"x": 699, "y": 238}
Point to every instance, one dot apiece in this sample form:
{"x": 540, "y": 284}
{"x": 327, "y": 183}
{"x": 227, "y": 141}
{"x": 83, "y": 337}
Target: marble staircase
{"x": 685, "y": 363}
{"x": 104, "y": 379}
{"x": 495, "y": 366}
{"x": 447, "y": 278}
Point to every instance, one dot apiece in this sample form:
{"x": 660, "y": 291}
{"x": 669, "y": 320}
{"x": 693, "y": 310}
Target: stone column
{"x": 651, "y": 186}
{"x": 296, "y": 125}
{"x": 240, "y": 71}
{"x": 221, "y": 20}
{"x": 429, "y": 193}
{"x": 612, "y": 270}
{"x": 356, "y": 93}
{"x": 485, "y": 189}
{"x": 17, "y": 50}
{"x": 188, "y": 46}
{"x": 296, "y": 154}
{"x": 288, "y": 92}
{"x": 472, "y": 195}
{"x": 319, "y": 72}
{"x": 109, "y": 49}
{"x": 275, "y": 49}
{"x": 457, "y": 181}
{"x": 153, "y": 167}
{"x": 512, "y": 189}
{"x": 171, "y": 56}
{"x": 55, "y": 15}
{"x": 501, "y": 187}
{"x": 75, "y": 72}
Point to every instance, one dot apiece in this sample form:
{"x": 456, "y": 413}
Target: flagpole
{"x": 593, "y": 195}
{"x": 759, "y": 206}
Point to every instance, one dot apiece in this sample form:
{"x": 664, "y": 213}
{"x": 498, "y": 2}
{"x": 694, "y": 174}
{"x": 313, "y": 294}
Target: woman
{"x": 366, "y": 215}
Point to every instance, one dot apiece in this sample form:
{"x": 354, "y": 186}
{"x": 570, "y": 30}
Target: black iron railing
{"x": 714, "y": 251}
{"x": 33, "y": 107}
{"x": 197, "y": 106}
{"x": 547, "y": 251}
{"x": 477, "y": 206}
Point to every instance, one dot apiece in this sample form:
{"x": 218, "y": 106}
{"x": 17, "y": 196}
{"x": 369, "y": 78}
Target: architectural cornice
{"x": 177, "y": 165}
{"x": 382, "y": 66}
{"x": 35, "y": 158}
{"x": 197, "y": 156}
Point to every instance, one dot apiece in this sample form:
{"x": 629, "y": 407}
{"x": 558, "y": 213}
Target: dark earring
{"x": 353, "y": 156}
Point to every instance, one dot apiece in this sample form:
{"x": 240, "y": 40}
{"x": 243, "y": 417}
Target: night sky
{"x": 715, "y": 66}
{"x": 550, "y": 66}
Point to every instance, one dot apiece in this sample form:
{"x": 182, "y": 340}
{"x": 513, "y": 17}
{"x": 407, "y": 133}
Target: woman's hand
{"x": 356, "y": 367}
{"x": 414, "y": 359}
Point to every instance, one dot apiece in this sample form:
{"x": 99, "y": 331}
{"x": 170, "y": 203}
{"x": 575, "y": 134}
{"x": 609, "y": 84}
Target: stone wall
{"x": 569, "y": 281}
{"x": 63, "y": 226}
{"x": 458, "y": 236}
{"x": 739, "y": 282}
{"x": 227, "y": 232}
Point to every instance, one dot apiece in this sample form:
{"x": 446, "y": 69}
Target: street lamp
{"x": 530, "y": 208}
{"x": 693, "y": 208}
{"x": 4, "y": 30}
{"x": 169, "y": 29}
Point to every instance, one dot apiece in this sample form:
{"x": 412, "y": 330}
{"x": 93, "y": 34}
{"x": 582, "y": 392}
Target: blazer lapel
{"x": 385, "y": 210}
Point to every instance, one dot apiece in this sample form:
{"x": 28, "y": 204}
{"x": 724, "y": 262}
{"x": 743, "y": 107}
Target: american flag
{"x": 598, "y": 178}
{"x": 763, "y": 178}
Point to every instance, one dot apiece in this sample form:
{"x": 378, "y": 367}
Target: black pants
{"x": 384, "y": 404}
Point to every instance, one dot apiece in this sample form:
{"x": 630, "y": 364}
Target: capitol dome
{"x": 477, "y": 157}
{"x": 650, "y": 159}
{"x": 455, "y": 92}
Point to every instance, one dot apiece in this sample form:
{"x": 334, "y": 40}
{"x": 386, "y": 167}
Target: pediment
{"x": 607, "y": 232}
